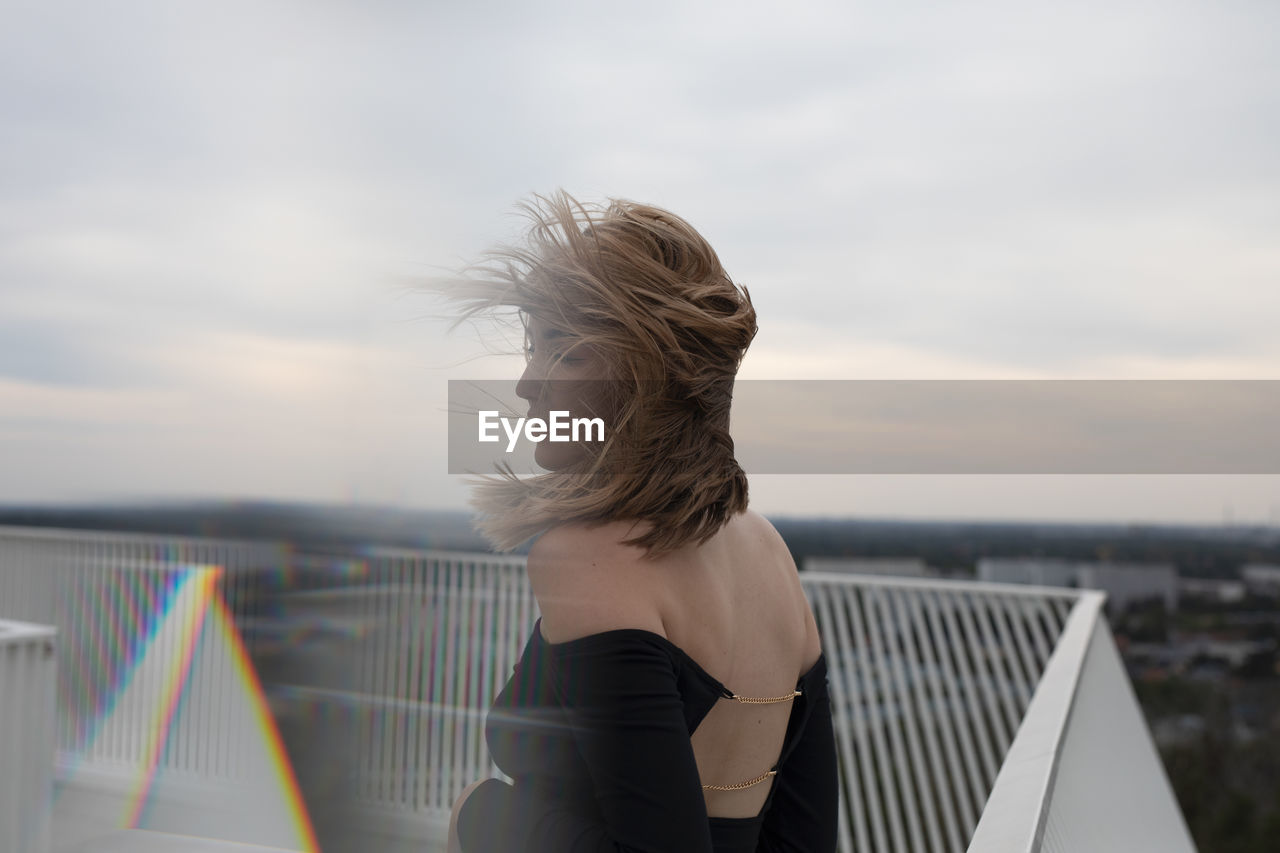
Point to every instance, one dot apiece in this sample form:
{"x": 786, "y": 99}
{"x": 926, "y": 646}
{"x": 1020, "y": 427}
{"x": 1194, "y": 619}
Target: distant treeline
{"x": 1209, "y": 552}
{"x": 311, "y": 527}
{"x": 953, "y": 546}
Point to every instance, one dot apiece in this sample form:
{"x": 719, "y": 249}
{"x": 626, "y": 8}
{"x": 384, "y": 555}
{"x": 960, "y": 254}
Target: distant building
{"x": 1036, "y": 571}
{"x": 1129, "y": 583}
{"x": 1261, "y": 578}
{"x": 1212, "y": 589}
{"x": 900, "y": 567}
{"x": 1124, "y": 583}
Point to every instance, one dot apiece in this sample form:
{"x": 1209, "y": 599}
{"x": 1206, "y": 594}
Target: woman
{"x": 673, "y": 695}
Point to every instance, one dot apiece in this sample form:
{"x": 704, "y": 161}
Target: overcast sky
{"x": 209, "y": 213}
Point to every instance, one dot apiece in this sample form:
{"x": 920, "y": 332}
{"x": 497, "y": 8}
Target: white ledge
{"x": 1014, "y": 817}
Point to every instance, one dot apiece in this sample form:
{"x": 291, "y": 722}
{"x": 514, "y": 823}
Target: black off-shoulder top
{"x": 594, "y": 733}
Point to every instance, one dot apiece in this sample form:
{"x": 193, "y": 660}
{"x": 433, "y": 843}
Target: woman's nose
{"x": 530, "y": 385}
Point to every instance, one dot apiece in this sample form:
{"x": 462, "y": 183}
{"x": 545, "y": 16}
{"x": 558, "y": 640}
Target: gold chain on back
{"x": 753, "y": 700}
{"x": 741, "y": 785}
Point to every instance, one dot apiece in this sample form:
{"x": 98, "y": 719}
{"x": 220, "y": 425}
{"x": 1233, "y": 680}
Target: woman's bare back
{"x": 734, "y": 604}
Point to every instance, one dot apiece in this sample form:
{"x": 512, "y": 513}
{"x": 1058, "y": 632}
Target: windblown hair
{"x": 647, "y": 292}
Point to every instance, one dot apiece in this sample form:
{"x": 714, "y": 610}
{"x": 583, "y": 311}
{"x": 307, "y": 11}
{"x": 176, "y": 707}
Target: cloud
{"x": 225, "y": 200}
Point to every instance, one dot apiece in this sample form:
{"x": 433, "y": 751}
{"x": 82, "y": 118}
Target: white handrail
{"x": 27, "y": 691}
{"x": 924, "y": 683}
{"x": 1014, "y": 817}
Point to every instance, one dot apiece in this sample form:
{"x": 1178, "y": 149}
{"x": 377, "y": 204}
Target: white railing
{"x": 151, "y": 680}
{"x": 115, "y": 599}
{"x": 438, "y": 636}
{"x": 1083, "y": 772}
{"x": 933, "y": 683}
{"x": 929, "y": 680}
{"x": 27, "y": 676}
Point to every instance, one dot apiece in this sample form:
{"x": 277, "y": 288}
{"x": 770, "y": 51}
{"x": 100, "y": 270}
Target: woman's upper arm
{"x": 803, "y": 814}
{"x": 620, "y": 694}
{"x": 623, "y": 699}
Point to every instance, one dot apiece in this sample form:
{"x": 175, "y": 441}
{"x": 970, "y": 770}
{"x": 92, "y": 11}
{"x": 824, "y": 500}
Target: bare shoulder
{"x": 766, "y": 536}
{"x": 769, "y": 541}
{"x": 587, "y": 581}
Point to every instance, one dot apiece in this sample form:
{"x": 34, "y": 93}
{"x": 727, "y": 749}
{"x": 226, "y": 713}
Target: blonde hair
{"x": 644, "y": 289}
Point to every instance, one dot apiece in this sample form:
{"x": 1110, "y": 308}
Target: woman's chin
{"x": 556, "y": 458}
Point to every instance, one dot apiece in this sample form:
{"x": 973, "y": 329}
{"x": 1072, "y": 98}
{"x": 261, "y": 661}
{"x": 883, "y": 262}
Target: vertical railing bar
{"x": 188, "y": 746}
{"x": 224, "y": 752}
{"x": 406, "y": 598}
{"x": 447, "y": 661}
{"x": 397, "y": 766}
{"x": 467, "y": 640}
{"x": 850, "y": 809}
{"x": 904, "y": 794}
{"x": 192, "y": 749}
{"x": 209, "y": 664}
{"x": 846, "y": 702}
{"x": 1021, "y": 680}
{"x": 357, "y": 708}
{"x": 1017, "y": 692}
{"x": 382, "y": 720}
{"x": 421, "y": 572}
{"x": 219, "y": 744}
{"x": 123, "y": 737}
{"x": 902, "y": 672}
{"x": 107, "y": 608}
{"x": 505, "y": 639}
{"x": 81, "y": 615}
{"x": 128, "y": 740}
{"x": 1060, "y": 611}
{"x": 453, "y": 660}
{"x": 182, "y": 749}
{"x": 105, "y": 735}
{"x": 174, "y": 749}
{"x": 1063, "y": 609}
{"x": 1013, "y": 613}
{"x": 983, "y": 679}
{"x": 512, "y": 632}
{"x": 417, "y": 570}
{"x": 382, "y": 638}
{"x": 876, "y": 719}
{"x": 396, "y": 603}
{"x": 60, "y": 596}
{"x": 971, "y": 797}
{"x": 12, "y": 654}
{"x": 1049, "y": 617}
{"x": 1031, "y": 612}
{"x": 484, "y": 642}
{"x": 68, "y": 698}
{"x": 462, "y": 642}
{"x": 482, "y": 694}
{"x": 994, "y": 656}
{"x": 98, "y": 653}
{"x": 472, "y": 640}
{"x": 226, "y": 761}
{"x": 437, "y": 687}
{"x": 379, "y": 625}
{"x": 384, "y": 690}
{"x": 929, "y": 704}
